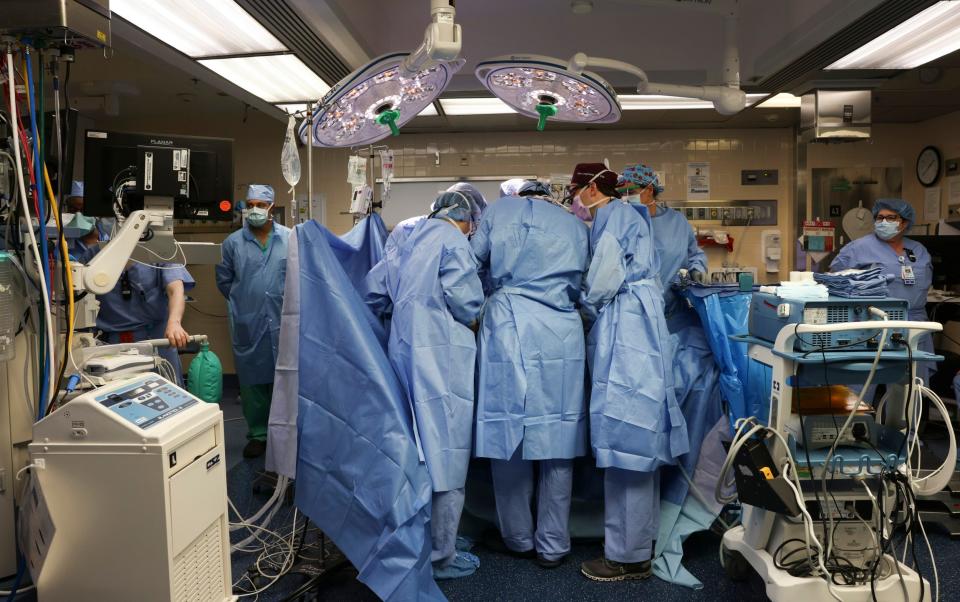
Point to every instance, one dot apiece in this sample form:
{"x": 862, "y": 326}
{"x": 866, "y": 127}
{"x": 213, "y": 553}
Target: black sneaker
{"x": 602, "y": 569}
{"x": 255, "y": 448}
{"x": 549, "y": 564}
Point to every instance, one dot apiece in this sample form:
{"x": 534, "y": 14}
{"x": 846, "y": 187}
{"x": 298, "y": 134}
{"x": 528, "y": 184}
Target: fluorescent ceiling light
{"x": 653, "y": 102}
{"x": 274, "y": 78}
{"x": 429, "y": 111}
{"x": 474, "y": 106}
{"x": 917, "y": 41}
{"x": 780, "y": 101}
{"x": 199, "y": 27}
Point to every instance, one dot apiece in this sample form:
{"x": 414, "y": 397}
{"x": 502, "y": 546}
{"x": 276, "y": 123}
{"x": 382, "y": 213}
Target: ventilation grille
{"x": 286, "y": 24}
{"x": 821, "y": 339}
{"x": 896, "y": 314}
{"x": 198, "y": 569}
{"x": 851, "y": 37}
{"x": 836, "y": 314}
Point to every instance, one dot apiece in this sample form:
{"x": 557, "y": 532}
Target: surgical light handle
{"x": 441, "y": 40}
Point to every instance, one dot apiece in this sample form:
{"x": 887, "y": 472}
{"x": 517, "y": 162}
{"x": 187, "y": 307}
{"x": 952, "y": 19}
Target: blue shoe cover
{"x": 464, "y": 564}
{"x": 464, "y": 544}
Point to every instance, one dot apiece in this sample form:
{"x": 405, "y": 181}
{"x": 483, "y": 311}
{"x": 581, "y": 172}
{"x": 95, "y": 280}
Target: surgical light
{"x": 375, "y": 101}
{"x": 537, "y": 86}
{"x": 275, "y": 78}
{"x": 199, "y": 28}
{"x": 922, "y": 38}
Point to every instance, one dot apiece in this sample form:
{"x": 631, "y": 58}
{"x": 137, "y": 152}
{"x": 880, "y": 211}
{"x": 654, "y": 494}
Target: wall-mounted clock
{"x": 928, "y": 166}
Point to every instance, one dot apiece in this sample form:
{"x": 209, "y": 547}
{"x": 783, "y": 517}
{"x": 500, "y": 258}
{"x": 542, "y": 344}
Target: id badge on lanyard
{"x": 906, "y": 273}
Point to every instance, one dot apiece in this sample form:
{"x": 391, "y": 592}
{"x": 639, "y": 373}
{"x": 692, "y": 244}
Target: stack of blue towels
{"x": 855, "y": 283}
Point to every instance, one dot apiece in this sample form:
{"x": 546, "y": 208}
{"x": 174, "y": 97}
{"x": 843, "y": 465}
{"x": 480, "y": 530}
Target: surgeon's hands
{"x": 176, "y": 334}
{"x": 696, "y": 276}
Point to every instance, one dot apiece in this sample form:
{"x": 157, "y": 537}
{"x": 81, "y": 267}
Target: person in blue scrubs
{"x": 530, "y": 402}
{"x": 251, "y": 276}
{"x": 636, "y": 425}
{"x": 402, "y": 230}
{"x": 432, "y": 294}
{"x": 905, "y": 262}
{"x": 676, "y": 243}
{"x": 96, "y": 229}
{"x": 146, "y": 303}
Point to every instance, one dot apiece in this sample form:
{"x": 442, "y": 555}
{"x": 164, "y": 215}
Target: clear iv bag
{"x": 289, "y": 157}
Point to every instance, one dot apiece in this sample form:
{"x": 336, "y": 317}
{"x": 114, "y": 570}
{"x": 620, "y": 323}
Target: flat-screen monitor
{"x": 943, "y": 252}
{"x": 196, "y": 172}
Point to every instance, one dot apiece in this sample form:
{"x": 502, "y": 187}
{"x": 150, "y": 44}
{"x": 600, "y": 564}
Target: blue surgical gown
{"x": 531, "y": 345}
{"x": 635, "y": 421}
{"x": 676, "y": 248}
{"x": 251, "y": 278}
{"x": 401, "y": 232}
{"x": 431, "y": 283}
{"x": 870, "y": 251}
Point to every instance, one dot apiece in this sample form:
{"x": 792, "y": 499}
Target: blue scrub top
{"x": 677, "y": 249}
{"x": 870, "y": 251}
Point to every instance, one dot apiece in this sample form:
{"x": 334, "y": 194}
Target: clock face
{"x": 928, "y": 166}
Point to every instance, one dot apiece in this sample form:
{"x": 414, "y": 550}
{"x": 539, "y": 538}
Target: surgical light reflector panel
{"x": 199, "y": 28}
{"x": 275, "y": 78}
{"x": 524, "y": 82}
{"x": 917, "y": 41}
{"x": 348, "y": 114}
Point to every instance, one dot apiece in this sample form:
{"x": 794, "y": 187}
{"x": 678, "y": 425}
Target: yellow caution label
{"x": 766, "y": 472}
{"x": 101, "y": 36}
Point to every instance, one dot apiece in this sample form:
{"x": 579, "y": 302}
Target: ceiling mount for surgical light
{"x": 376, "y": 100}
{"x": 530, "y": 84}
{"x": 546, "y": 89}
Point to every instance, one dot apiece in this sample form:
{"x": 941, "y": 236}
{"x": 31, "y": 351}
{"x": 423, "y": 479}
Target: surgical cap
{"x": 76, "y": 188}
{"x": 534, "y": 188}
{"x": 584, "y": 173}
{"x": 260, "y": 192}
{"x": 82, "y": 222}
{"x": 900, "y": 206}
{"x": 511, "y": 186}
{"x": 453, "y": 205}
{"x": 479, "y": 204}
{"x": 640, "y": 175}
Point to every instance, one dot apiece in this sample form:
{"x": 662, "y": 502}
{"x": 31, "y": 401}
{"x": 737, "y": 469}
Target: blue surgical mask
{"x": 256, "y": 216}
{"x": 886, "y": 230}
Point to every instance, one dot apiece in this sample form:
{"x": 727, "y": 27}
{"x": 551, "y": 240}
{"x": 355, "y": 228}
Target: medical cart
{"x": 840, "y": 494}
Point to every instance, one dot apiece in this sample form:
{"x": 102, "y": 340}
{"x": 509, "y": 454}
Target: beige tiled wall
{"x": 546, "y": 153}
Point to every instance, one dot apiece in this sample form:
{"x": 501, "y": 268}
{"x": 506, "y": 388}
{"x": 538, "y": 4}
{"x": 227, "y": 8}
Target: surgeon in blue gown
{"x": 431, "y": 290}
{"x": 905, "y": 262}
{"x": 251, "y": 276}
{"x": 636, "y": 425}
{"x": 402, "y": 230}
{"x": 530, "y": 403}
{"x": 675, "y": 240}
